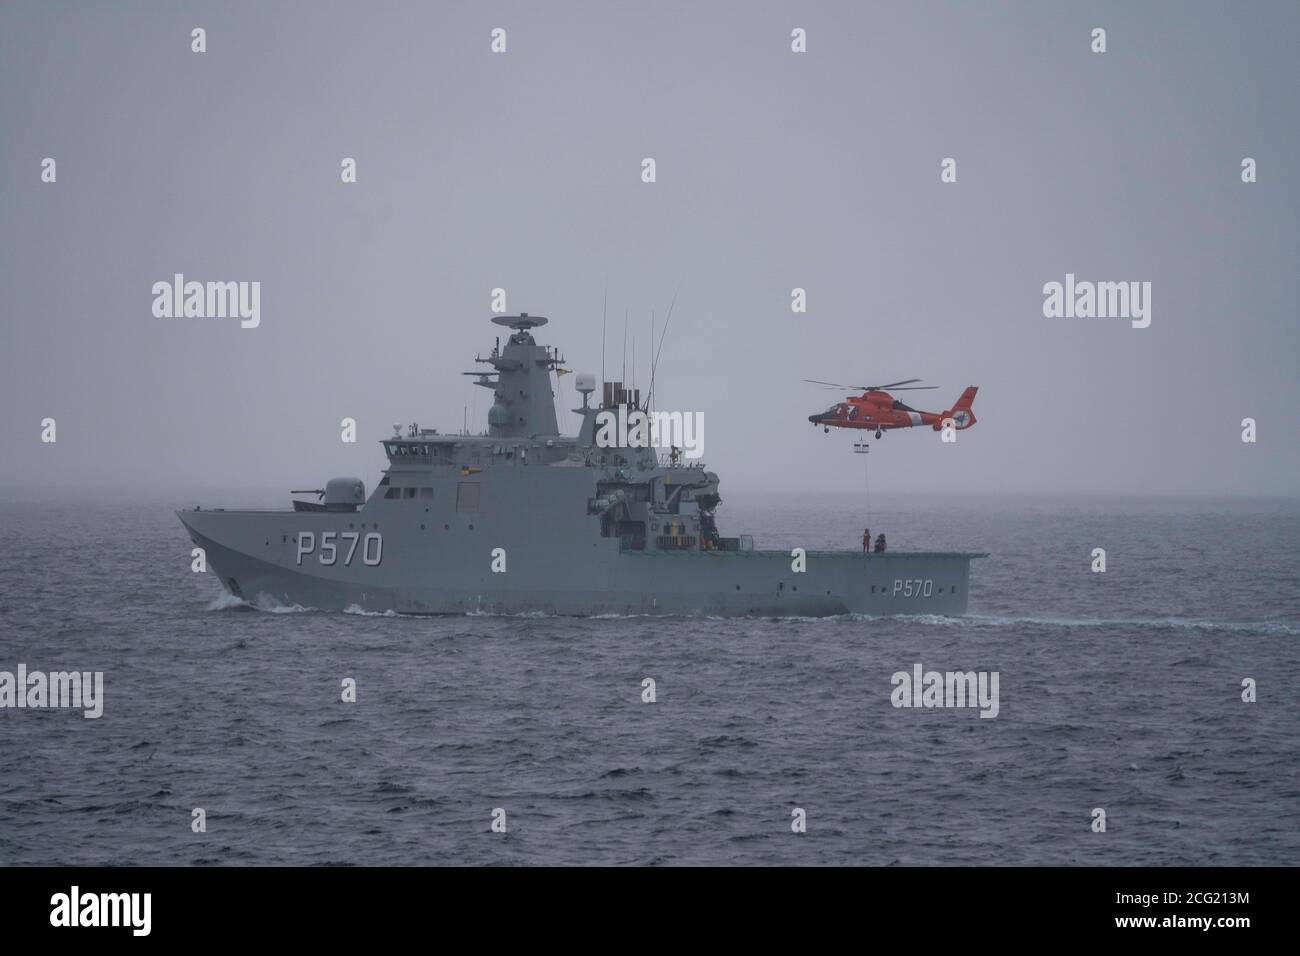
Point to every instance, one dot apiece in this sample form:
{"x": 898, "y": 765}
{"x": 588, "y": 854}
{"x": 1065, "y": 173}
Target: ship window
{"x": 426, "y": 492}
{"x": 467, "y": 495}
{"x": 393, "y": 493}
{"x": 410, "y": 492}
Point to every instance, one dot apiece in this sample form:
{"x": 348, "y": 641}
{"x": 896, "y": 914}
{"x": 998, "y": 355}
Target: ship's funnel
{"x": 615, "y": 395}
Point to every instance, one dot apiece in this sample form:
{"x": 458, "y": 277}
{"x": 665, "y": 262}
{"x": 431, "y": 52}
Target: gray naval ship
{"x": 523, "y": 519}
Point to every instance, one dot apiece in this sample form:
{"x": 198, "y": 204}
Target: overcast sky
{"x": 775, "y": 170}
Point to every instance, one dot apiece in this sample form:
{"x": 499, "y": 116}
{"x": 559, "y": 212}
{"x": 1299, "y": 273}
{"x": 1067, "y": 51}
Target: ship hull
{"x": 434, "y": 568}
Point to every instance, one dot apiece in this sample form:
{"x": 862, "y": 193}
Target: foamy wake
{"x": 362, "y": 612}
{"x": 285, "y": 609}
{"x": 479, "y": 612}
{"x": 225, "y": 601}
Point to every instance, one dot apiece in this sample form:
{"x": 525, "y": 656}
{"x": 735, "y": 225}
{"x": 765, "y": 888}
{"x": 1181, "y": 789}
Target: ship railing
{"x": 682, "y": 462}
{"x": 741, "y": 543}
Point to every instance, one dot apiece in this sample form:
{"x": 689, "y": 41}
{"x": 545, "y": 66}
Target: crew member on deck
{"x": 866, "y": 540}
{"x": 880, "y": 543}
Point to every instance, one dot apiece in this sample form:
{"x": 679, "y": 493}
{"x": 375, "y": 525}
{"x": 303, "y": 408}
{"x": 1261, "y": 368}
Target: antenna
{"x": 654, "y": 361}
{"x": 623, "y": 377}
{"x": 603, "y": 308}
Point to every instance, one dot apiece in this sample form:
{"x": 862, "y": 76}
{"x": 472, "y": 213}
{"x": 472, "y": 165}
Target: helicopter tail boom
{"x": 962, "y": 414}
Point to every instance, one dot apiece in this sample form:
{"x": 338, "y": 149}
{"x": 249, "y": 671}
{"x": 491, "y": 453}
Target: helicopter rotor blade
{"x": 814, "y": 381}
{"x": 904, "y": 386}
{"x": 906, "y": 381}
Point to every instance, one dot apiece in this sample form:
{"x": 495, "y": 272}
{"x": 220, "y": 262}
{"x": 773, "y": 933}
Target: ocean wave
{"x": 1268, "y": 627}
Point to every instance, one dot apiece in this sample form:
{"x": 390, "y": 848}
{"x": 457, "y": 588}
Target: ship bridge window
{"x": 410, "y": 492}
{"x": 408, "y": 450}
{"x": 393, "y": 493}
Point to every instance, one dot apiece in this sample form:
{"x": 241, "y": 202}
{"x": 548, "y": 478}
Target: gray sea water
{"x": 1119, "y": 691}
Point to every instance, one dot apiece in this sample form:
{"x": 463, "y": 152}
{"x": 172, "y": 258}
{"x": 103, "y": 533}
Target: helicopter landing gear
{"x": 879, "y": 433}
{"x": 826, "y": 430}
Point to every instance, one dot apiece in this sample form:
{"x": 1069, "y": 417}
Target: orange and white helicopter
{"x": 876, "y": 409}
